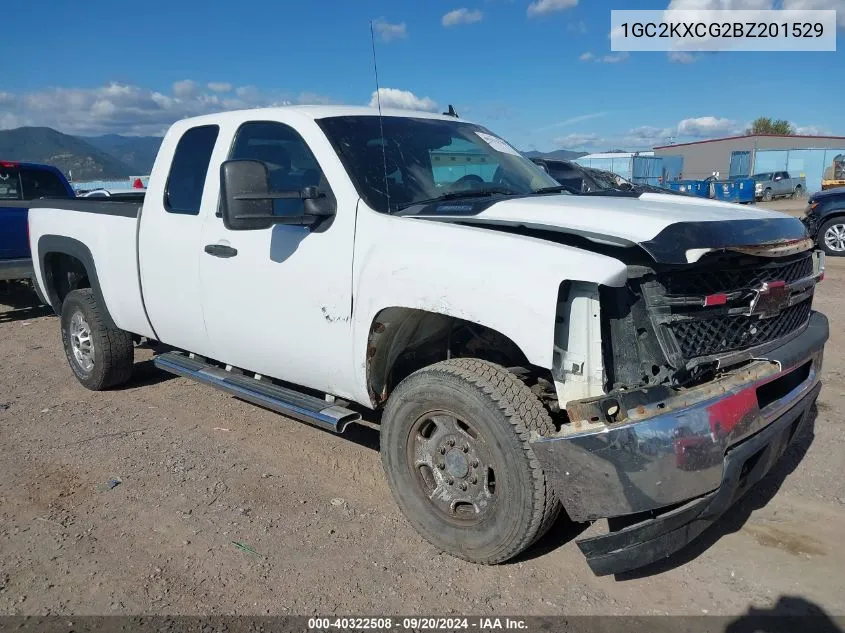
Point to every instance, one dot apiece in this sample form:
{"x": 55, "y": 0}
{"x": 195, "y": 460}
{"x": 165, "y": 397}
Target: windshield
{"x": 760, "y": 177}
{"x": 606, "y": 180}
{"x": 423, "y": 159}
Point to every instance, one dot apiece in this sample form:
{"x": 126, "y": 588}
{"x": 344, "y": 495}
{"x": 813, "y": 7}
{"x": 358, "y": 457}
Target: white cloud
{"x": 649, "y": 136}
{"x": 312, "y": 98}
{"x": 539, "y": 7}
{"x": 614, "y": 58}
{"x": 758, "y": 5}
{"x": 645, "y": 136}
{"x": 573, "y": 120}
{"x": 578, "y": 141}
{"x": 462, "y": 16}
{"x": 403, "y": 99}
{"x": 129, "y": 109}
{"x": 716, "y": 5}
{"x": 185, "y": 89}
{"x": 804, "y": 5}
{"x": 811, "y": 130}
{"x": 580, "y": 27}
{"x": 708, "y": 127}
{"x": 387, "y": 31}
{"x": 219, "y": 86}
{"x": 681, "y": 57}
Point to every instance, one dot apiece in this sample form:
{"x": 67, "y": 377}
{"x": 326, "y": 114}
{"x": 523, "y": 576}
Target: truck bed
{"x": 104, "y": 231}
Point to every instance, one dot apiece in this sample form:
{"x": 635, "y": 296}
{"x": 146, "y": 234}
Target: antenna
{"x": 380, "y": 121}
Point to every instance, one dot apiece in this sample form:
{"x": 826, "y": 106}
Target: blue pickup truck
{"x": 20, "y": 182}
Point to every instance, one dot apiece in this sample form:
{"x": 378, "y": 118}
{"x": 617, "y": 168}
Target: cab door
{"x": 170, "y": 231}
{"x": 278, "y": 301}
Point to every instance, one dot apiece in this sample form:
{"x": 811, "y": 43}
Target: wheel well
{"x": 62, "y": 274}
{"x": 838, "y": 213}
{"x": 403, "y": 340}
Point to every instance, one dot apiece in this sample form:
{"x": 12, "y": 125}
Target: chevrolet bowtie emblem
{"x": 769, "y": 300}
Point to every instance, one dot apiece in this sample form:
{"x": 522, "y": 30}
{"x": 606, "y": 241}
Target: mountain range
{"x": 112, "y": 156}
{"x": 81, "y": 157}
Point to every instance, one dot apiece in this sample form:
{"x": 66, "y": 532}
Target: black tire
{"x": 109, "y": 350}
{"x": 767, "y": 195}
{"x": 502, "y": 411}
{"x": 830, "y": 246}
{"x": 799, "y": 191}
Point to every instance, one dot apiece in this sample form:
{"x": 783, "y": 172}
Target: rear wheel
{"x": 799, "y": 191}
{"x": 454, "y": 444}
{"x": 100, "y": 356}
{"x": 832, "y": 237}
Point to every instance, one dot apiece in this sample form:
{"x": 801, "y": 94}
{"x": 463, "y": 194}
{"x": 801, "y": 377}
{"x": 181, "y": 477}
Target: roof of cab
{"x": 318, "y": 112}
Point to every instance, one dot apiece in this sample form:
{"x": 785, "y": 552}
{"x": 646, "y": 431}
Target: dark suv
{"x": 825, "y": 220}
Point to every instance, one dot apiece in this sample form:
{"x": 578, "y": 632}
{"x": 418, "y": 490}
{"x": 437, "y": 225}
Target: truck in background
{"x": 778, "y": 184}
{"x": 20, "y": 183}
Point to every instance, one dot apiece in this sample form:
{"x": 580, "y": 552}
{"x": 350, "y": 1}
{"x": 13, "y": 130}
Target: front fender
{"x": 505, "y": 282}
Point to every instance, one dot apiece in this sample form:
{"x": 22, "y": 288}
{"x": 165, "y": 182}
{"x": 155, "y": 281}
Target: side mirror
{"x": 247, "y": 201}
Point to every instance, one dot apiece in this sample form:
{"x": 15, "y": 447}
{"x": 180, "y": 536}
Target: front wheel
{"x": 454, "y": 445}
{"x": 767, "y": 195}
{"x": 100, "y": 356}
{"x": 832, "y": 237}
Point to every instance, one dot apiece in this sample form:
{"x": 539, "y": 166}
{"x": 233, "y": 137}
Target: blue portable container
{"x": 699, "y": 188}
{"x": 739, "y": 190}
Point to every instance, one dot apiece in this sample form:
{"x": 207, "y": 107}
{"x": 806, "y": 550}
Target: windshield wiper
{"x": 556, "y": 189}
{"x": 455, "y": 195}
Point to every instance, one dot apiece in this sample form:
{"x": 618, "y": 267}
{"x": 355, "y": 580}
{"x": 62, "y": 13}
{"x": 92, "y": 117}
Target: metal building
{"x": 749, "y": 154}
{"x": 640, "y": 167}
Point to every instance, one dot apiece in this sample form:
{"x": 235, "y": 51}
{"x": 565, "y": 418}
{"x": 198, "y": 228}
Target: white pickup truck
{"x": 643, "y": 358}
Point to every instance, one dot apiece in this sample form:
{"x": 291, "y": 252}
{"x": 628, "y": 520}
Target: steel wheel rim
{"x": 834, "y": 237}
{"x": 81, "y": 343}
{"x": 451, "y": 465}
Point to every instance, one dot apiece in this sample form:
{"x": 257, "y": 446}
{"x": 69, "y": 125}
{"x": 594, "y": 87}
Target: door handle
{"x": 220, "y": 250}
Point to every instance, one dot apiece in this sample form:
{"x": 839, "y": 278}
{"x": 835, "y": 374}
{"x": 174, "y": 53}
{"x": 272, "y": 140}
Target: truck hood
{"x": 672, "y": 229}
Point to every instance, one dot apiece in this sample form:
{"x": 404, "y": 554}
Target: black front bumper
{"x": 744, "y": 465}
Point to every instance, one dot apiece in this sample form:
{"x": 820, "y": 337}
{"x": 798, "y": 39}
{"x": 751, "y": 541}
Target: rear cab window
{"x": 186, "y": 180}
{"x": 27, "y": 183}
{"x": 10, "y": 184}
{"x": 42, "y": 183}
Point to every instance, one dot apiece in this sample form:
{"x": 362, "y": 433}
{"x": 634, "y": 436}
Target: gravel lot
{"x": 225, "y": 508}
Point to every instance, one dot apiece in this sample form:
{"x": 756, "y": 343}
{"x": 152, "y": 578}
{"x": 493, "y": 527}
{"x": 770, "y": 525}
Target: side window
{"x": 40, "y": 183}
{"x": 568, "y": 177}
{"x": 290, "y": 164}
{"x": 183, "y": 193}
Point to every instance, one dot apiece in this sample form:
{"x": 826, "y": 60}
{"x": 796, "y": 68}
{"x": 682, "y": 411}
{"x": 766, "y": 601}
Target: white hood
{"x": 695, "y": 225}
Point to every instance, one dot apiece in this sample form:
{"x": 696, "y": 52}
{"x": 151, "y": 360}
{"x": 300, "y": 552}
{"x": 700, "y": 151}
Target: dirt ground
{"x": 226, "y": 508}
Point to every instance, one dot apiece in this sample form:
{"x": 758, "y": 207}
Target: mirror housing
{"x": 246, "y": 199}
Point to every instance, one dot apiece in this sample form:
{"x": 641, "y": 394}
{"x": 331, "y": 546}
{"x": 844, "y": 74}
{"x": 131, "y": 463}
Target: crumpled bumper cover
{"x": 683, "y": 468}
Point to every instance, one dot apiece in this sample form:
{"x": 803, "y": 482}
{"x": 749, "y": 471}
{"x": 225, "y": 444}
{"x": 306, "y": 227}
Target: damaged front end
{"x": 709, "y": 370}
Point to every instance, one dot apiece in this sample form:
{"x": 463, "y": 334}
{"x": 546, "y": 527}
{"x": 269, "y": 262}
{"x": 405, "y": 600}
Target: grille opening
{"x": 703, "y": 337}
{"x": 780, "y": 387}
{"x": 739, "y": 274}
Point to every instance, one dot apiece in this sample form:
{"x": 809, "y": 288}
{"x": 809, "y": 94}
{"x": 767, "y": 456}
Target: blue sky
{"x": 541, "y": 75}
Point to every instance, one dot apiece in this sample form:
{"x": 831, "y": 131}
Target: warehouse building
{"x": 807, "y": 156}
